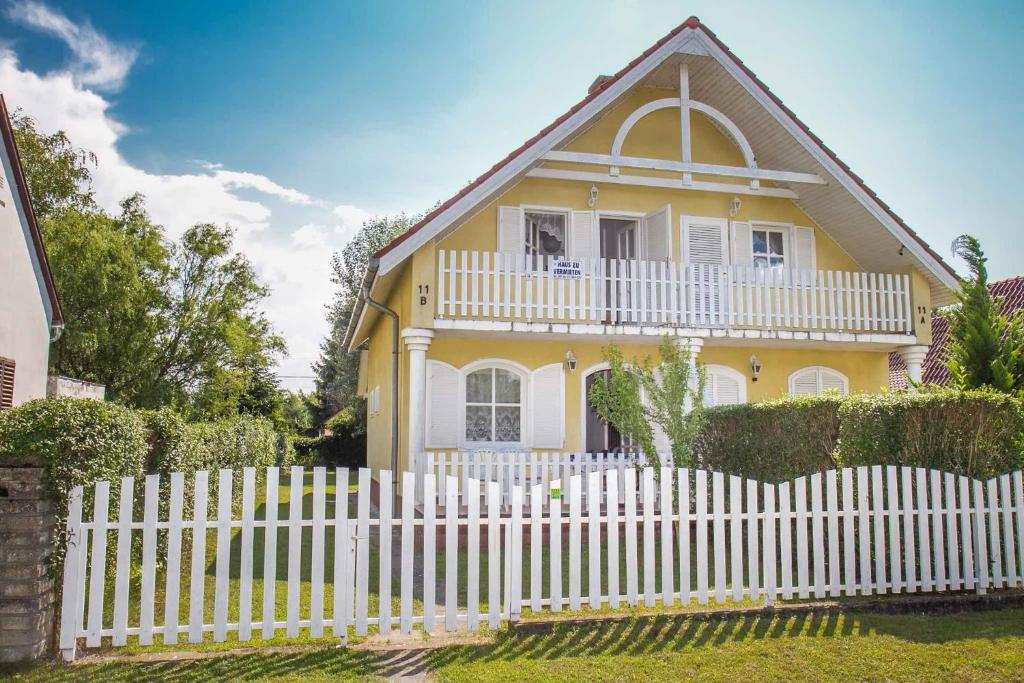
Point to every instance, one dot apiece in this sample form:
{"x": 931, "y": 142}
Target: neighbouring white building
{"x": 30, "y": 315}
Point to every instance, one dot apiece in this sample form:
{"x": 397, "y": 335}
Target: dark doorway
{"x": 601, "y": 437}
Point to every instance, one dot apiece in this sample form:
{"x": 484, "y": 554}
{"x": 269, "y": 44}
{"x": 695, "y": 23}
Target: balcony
{"x": 474, "y": 285}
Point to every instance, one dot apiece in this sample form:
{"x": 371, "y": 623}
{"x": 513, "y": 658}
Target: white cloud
{"x": 97, "y": 62}
{"x": 295, "y": 266}
{"x": 351, "y": 218}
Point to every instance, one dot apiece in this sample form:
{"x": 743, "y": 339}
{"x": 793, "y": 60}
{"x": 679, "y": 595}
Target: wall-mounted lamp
{"x": 755, "y": 368}
{"x": 593, "y": 196}
{"x": 570, "y": 361}
{"x": 902, "y": 249}
{"x": 734, "y": 206}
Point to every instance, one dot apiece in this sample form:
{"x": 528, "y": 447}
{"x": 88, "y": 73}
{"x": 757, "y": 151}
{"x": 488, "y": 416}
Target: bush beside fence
{"x": 974, "y": 433}
{"x": 81, "y": 441}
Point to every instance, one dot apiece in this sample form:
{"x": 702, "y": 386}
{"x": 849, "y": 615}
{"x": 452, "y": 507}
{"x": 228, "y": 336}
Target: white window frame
{"x": 786, "y": 229}
{"x": 525, "y": 422}
{"x": 641, "y": 229}
{"x": 818, "y": 370}
{"x": 536, "y": 208}
{"x": 741, "y": 379}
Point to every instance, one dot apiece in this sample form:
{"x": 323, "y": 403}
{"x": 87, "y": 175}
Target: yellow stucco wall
{"x": 866, "y": 371}
{"x": 655, "y": 136}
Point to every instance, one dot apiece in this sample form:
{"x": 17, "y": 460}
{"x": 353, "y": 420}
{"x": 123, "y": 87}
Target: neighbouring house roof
{"x": 7, "y": 133}
{"x": 694, "y": 38}
{"x": 932, "y": 370}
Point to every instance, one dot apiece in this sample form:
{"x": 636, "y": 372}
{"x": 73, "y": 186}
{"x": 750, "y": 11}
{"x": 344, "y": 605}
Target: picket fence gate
{"x": 674, "y": 536}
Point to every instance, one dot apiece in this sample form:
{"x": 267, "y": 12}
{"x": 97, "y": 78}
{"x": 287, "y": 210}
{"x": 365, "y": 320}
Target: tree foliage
{"x": 635, "y": 397}
{"x": 337, "y": 369}
{"x": 157, "y": 322}
{"x": 986, "y": 346}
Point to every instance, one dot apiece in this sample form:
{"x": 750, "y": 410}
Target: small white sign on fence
{"x": 567, "y": 269}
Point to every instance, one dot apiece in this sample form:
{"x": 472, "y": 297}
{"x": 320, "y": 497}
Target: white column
{"x": 417, "y": 341}
{"x": 913, "y": 358}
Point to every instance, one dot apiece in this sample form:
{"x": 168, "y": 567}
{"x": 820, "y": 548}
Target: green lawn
{"x": 977, "y": 646}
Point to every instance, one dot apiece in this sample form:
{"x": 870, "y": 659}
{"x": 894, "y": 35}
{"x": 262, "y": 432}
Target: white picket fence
{"x": 494, "y": 285}
{"x": 515, "y": 468}
{"x": 672, "y": 537}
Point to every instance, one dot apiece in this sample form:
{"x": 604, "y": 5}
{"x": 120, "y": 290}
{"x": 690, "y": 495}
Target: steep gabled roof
{"x": 693, "y": 37}
{"x": 933, "y": 371}
{"x": 21, "y": 186}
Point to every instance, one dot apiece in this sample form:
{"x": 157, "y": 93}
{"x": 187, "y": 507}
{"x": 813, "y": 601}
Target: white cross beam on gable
{"x": 687, "y": 167}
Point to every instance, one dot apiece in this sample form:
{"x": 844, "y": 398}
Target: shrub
{"x": 80, "y": 441}
{"x": 977, "y": 433}
{"x": 771, "y": 441}
{"x": 344, "y": 447}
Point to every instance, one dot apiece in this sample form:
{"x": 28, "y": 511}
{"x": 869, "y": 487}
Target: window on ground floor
{"x": 815, "y": 381}
{"x": 723, "y": 386}
{"x": 494, "y": 406}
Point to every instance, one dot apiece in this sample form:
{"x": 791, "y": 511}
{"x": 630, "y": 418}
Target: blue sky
{"x": 294, "y": 121}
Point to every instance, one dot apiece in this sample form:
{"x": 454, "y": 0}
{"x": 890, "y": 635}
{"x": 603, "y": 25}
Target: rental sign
{"x": 567, "y": 269}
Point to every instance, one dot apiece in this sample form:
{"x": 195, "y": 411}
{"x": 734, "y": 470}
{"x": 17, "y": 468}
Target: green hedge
{"x": 82, "y": 441}
{"x": 79, "y": 441}
{"x": 975, "y": 433}
{"x": 771, "y": 441}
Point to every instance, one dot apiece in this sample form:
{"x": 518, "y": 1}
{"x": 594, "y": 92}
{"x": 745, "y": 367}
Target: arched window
{"x": 816, "y": 380}
{"x": 723, "y": 386}
{"x": 494, "y": 406}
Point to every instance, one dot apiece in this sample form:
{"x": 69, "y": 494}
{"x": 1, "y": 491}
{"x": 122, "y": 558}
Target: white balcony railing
{"x": 486, "y": 285}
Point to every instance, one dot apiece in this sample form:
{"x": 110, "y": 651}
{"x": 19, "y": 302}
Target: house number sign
{"x": 566, "y": 269}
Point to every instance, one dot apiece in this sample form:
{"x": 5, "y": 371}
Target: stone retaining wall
{"x": 27, "y": 589}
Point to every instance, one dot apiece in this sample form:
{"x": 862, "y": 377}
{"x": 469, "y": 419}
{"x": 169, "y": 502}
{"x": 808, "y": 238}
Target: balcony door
{"x": 619, "y": 251}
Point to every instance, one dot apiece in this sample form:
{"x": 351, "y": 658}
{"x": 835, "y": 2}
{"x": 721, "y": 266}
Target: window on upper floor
{"x": 494, "y": 406}
{"x": 545, "y": 233}
{"x": 769, "y": 248}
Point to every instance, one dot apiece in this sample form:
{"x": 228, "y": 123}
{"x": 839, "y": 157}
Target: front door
{"x": 601, "y": 437}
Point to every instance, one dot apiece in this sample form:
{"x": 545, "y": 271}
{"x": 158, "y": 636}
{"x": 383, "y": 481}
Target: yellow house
{"x": 680, "y": 197}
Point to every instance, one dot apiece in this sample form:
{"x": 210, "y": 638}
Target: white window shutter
{"x": 804, "y": 383}
{"x": 705, "y": 240}
{"x": 658, "y": 234}
{"x": 832, "y": 381}
{"x": 724, "y": 386}
{"x": 547, "y": 406}
{"x": 511, "y": 235}
{"x": 742, "y": 245}
{"x": 727, "y": 390}
{"x": 583, "y": 236}
{"x": 804, "y": 256}
{"x": 442, "y": 409}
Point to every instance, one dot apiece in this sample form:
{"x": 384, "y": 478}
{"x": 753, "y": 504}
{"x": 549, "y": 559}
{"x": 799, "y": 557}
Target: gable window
{"x": 494, "y": 406}
{"x": 545, "y": 235}
{"x": 815, "y": 381}
{"x": 769, "y": 248}
{"x": 6, "y": 383}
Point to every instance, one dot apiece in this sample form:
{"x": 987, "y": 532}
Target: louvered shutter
{"x": 583, "y": 236}
{"x": 658, "y": 234}
{"x": 804, "y": 383}
{"x": 742, "y": 246}
{"x": 511, "y": 238}
{"x": 6, "y": 383}
{"x": 723, "y": 387}
{"x": 704, "y": 240}
{"x": 803, "y": 249}
{"x": 547, "y": 406}
{"x": 832, "y": 380}
{"x": 443, "y": 403}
